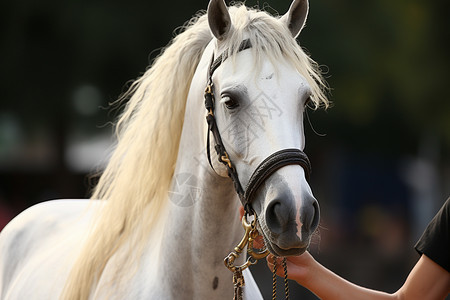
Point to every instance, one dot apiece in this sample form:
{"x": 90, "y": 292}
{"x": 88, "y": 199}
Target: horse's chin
{"x": 280, "y": 252}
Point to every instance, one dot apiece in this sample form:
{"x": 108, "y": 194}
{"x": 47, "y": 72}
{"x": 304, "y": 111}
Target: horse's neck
{"x": 196, "y": 241}
{"x": 199, "y": 234}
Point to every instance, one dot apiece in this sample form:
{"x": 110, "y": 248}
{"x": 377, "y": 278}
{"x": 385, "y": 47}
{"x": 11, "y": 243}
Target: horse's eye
{"x": 230, "y": 103}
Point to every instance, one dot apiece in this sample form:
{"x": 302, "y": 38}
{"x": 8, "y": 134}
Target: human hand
{"x": 298, "y": 267}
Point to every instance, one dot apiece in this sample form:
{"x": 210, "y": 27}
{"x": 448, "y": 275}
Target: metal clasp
{"x": 250, "y": 235}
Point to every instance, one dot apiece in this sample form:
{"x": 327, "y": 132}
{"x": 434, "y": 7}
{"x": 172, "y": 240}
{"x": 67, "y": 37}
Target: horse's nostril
{"x": 316, "y": 218}
{"x": 310, "y": 215}
{"x": 276, "y": 217}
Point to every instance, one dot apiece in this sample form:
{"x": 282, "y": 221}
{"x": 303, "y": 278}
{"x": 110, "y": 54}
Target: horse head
{"x": 261, "y": 90}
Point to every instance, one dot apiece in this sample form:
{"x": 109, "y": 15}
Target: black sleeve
{"x": 434, "y": 242}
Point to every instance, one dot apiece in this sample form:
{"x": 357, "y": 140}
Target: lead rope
{"x": 286, "y": 283}
{"x": 274, "y": 279}
{"x": 238, "y": 281}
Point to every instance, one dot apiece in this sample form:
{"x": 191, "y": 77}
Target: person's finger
{"x": 271, "y": 260}
{"x": 241, "y": 212}
{"x": 258, "y": 242}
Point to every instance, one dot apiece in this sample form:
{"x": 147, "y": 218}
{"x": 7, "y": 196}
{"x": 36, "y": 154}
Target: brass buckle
{"x": 208, "y": 90}
{"x": 226, "y": 158}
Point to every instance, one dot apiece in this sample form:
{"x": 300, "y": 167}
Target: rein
{"x": 263, "y": 171}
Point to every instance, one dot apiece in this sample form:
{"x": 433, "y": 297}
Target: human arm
{"x": 427, "y": 280}
{"x": 325, "y": 284}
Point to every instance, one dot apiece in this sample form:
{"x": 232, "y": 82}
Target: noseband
{"x": 267, "y": 167}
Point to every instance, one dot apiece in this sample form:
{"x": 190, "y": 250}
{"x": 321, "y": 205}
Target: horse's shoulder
{"x": 39, "y": 222}
{"x": 44, "y": 215}
{"x": 42, "y": 226}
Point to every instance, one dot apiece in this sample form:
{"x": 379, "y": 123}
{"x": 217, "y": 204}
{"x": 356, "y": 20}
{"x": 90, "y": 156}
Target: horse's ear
{"x": 219, "y": 19}
{"x": 295, "y": 18}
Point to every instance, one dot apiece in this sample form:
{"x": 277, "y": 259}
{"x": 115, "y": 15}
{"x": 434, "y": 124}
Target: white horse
{"x": 167, "y": 219}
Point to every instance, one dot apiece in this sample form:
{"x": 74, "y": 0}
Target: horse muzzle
{"x": 286, "y": 227}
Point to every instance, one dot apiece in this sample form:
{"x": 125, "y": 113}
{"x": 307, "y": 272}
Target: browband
{"x": 245, "y": 44}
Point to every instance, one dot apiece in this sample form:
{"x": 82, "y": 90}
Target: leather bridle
{"x": 267, "y": 167}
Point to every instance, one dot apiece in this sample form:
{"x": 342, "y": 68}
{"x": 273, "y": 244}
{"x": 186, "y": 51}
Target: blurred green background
{"x": 380, "y": 155}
